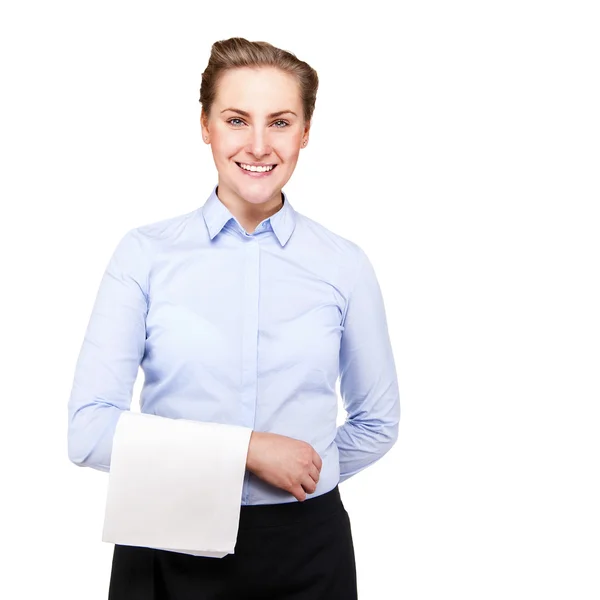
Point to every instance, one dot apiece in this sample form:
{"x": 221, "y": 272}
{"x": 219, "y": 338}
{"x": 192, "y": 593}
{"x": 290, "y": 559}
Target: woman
{"x": 245, "y": 311}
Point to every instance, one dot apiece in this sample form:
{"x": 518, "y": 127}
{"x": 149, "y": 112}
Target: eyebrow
{"x": 272, "y": 115}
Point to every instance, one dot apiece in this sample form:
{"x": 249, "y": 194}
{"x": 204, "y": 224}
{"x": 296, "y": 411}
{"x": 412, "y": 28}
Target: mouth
{"x": 256, "y": 171}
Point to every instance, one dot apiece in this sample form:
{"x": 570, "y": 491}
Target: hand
{"x": 287, "y": 463}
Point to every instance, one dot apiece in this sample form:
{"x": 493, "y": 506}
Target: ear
{"x": 204, "y": 124}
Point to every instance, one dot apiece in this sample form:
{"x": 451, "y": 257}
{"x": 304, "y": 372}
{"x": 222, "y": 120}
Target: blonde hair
{"x": 238, "y": 52}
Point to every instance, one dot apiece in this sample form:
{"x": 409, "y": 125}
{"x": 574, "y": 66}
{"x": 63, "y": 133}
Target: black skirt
{"x": 295, "y": 550}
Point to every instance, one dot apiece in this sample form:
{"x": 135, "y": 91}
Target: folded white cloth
{"x": 175, "y": 484}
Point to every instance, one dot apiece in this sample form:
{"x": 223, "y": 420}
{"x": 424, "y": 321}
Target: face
{"x": 256, "y": 118}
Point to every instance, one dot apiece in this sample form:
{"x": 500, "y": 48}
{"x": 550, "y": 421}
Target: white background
{"x": 456, "y": 142}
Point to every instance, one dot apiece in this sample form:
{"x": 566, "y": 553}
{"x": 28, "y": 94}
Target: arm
{"x": 368, "y": 381}
{"x": 110, "y": 356}
{"x": 108, "y": 364}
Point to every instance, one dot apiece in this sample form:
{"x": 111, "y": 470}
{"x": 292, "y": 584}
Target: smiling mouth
{"x": 256, "y": 169}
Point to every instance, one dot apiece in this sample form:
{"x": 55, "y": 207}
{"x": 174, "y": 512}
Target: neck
{"x": 248, "y": 214}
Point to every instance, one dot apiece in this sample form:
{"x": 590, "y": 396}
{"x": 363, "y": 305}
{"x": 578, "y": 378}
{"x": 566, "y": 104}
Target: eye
{"x": 279, "y": 124}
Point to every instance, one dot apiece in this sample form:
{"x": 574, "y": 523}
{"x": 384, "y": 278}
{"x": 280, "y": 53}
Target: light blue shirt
{"x": 245, "y": 329}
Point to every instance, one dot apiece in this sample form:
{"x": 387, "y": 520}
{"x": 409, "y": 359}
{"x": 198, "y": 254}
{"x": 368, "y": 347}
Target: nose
{"x": 258, "y": 145}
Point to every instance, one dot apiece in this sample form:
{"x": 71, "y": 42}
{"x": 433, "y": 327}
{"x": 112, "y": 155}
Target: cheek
{"x": 292, "y": 158}
{"x": 224, "y": 146}
{"x": 224, "y": 155}
{"x": 290, "y": 151}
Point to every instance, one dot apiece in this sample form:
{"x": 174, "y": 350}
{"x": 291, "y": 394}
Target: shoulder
{"x": 163, "y": 230}
{"x": 340, "y": 248}
{"x": 340, "y": 257}
{"x": 137, "y": 246}
{"x": 148, "y": 238}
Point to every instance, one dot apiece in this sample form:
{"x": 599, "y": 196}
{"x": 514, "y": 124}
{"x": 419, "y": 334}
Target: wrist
{"x": 251, "y": 448}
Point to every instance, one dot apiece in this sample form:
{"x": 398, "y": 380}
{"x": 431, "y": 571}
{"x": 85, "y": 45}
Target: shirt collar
{"x": 217, "y": 215}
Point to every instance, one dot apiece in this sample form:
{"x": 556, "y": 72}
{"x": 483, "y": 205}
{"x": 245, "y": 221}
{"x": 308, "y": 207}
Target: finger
{"x": 309, "y": 485}
{"x": 314, "y": 473}
{"x": 299, "y": 493}
{"x": 317, "y": 460}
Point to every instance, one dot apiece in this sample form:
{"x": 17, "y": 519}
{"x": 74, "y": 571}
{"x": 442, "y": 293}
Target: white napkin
{"x": 175, "y": 484}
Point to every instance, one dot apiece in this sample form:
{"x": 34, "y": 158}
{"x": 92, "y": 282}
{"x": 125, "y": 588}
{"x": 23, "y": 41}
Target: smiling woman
{"x": 255, "y": 136}
{"x": 245, "y": 312}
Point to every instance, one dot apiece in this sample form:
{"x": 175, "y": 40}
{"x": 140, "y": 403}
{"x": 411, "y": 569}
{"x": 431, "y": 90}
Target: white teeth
{"x": 257, "y": 169}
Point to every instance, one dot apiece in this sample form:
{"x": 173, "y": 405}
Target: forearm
{"x": 361, "y": 443}
{"x": 368, "y": 379}
{"x": 90, "y": 435}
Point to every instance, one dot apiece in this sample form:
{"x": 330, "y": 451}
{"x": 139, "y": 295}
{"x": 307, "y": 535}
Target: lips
{"x": 256, "y": 174}
{"x": 267, "y": 165}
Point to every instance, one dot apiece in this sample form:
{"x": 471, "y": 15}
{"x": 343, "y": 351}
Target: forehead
{"x": 258, "y": 88}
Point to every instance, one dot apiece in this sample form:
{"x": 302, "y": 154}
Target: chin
{"x": 257, "y": 192}
{"x": 258, "y": 196}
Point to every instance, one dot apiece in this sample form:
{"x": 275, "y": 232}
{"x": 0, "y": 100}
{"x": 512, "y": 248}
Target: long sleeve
{"x": 368, "y": 380}
{"x": 162, "y": 468}
{"x": 109, "y": 359}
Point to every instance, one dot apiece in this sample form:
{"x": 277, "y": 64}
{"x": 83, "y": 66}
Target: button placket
{"x": 250, "y": 299}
